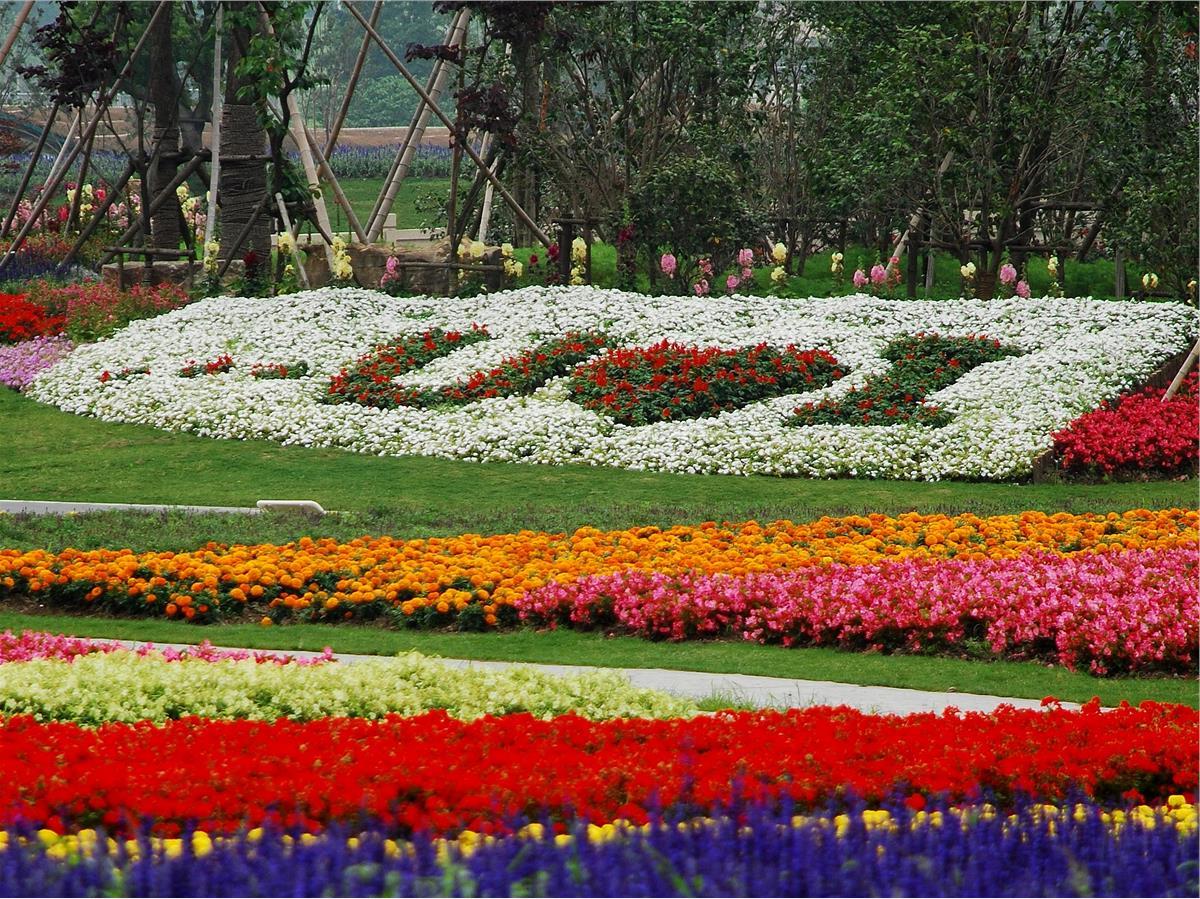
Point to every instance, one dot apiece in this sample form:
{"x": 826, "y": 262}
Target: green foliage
{"x": 692, "y": 206}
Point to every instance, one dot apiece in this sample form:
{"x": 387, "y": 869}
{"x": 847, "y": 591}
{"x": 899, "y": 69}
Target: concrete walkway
{"x": 760, "y": 691}
{"x": 43, "y": 507}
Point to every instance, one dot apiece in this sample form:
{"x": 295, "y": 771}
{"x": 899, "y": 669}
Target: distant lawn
{"x": 1025, "y": 680}
{"x": 53, "y": 455}
{"x": 363, "y": 192}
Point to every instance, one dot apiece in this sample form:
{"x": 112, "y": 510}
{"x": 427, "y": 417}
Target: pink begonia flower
{"x": 878, "y": 273}
{"x": 1008, "y": 274}
{"x": 392, "y": 263}
{"x": 894, "y": 261}
{"x": 747, "y": 273}
{"x": 1107, "y": 611}
{"x": 701, "y": 288}
{"x": 860, "y": 278}
{"x": 706, "y": 266}
{"x": 668, "y": 265}
{"x": 732, "y": 282}
{"x": 745, "y": 257}
{"x": 1022, "y": 289}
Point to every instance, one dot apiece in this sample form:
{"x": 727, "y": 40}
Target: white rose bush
{"x": 1062, "y": 358}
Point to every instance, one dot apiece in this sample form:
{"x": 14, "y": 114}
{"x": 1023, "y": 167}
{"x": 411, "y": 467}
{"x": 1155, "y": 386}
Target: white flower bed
{"x": 1077, "y": 353}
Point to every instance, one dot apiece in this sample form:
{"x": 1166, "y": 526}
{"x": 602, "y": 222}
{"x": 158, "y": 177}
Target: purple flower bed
{"x": 753, "y": 852}
{"x": 22, "y": 362}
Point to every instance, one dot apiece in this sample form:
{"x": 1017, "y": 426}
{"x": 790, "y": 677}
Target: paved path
{"x": 41, "y": 507}
{"x": 761, "y": 691}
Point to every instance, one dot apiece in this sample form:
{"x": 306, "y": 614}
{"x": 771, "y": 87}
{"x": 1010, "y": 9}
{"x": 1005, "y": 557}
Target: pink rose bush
{"x": 1127, "y": 610}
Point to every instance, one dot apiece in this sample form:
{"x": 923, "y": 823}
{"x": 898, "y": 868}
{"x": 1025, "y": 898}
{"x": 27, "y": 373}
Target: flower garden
{"x": 694, "y": 483}
{"x": 856, "y": 386}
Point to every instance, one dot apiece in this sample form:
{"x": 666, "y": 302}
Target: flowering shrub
{"x": 435, "y": 772}
{"x": 1075, "y": 354}
{"x": 747, "y": 849}
{"x": 21, "y": 362}
{"x": 1138, "y": 433}
{"x": 472, "y": 581}
{"x": 669, "y": 381}
{"x": 279, "y": 371}
{"x": 218, "y": 366}
{"x": 96, "y": 309}
{"x": 921, "y": 365}
{"x": 370, "y": 381}
{"x": 1110, "y": 611}
{"x": 23, "y": 320}
{"x": 119, "y": 685}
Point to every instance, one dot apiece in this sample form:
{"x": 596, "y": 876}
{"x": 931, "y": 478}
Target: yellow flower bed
{"x": 472, "y": 580}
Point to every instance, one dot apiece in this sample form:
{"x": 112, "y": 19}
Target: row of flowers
{"x": 118, "y": 685}
{"x": 1075, "y": 354}
{"x": 29, "y": 646}
{"x": 1141, "y": 432}
{"x": 474, "y": 581}
{"x": 745, "y": 850}
{"x": 85, "y": 311}
{"x": 436, "y": 772}
{"x": 1109, "y": 612}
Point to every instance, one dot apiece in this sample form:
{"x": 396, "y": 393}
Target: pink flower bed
{"x": 21, "y": 362}
{"x": 30, "y": 645}
{"x": 1114, "y": 611}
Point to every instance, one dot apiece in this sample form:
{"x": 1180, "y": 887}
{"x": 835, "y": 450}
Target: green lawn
{"x": 1017, "y": 679}
{"x": 52, "y": 455}
{"x": 363, "y": 192}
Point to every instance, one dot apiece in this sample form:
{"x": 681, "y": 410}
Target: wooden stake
{"x": 22, "y": 15}
{"x": 336, "y": 130}
{"x": 218, "y": 107}
{"x": 28, "y": 176}
{"x": 156, "y": 203}
{"x": 296, "y": 125}
{"x": 445, "y": 119}
{"x": 416, "y": 129}
{"x": 1183, "y": 372}
{"x": 101, "y": 105}
{"x": 287, "y": 227}
{"x": 338, "y": 194}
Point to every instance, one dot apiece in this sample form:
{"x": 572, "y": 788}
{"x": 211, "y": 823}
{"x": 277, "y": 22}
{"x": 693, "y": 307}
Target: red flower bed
{"x": 23, "y": 320}
{"x": 431, "y": 771}
{"x": 1139, "y": 433}
{"x": 669, "y": 381}
{"x": 369, "y": 380}
{"x": 96, "y": 309}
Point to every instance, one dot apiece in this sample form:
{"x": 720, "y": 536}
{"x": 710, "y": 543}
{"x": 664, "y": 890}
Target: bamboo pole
{"x": 64, "y": 149}
{"x": 22, "y": 15}
{"x": 466, "y": 145}
{"x": 155, "y": 203}
{"x": 1183, "y": 372}
{"x": 336, "y": 131}
{"x": 416, "y": 129}
{"x": 114, "y": 191}
{"x": 485, "y": 214}
{"x": 296, "y": 126}
{"x": 338, "y": 194}
{"x": 218, "y": 109}
{"x": 102, "y": 104}
{"x": 28, "y": 176}
{"x": 287, "y": 227}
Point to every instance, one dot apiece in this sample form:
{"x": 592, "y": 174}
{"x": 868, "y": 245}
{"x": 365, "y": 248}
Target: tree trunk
{"x": 164, "y": 95}
{"x": 243, "y": 183}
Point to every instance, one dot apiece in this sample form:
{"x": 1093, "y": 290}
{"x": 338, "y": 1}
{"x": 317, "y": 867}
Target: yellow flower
{"x": 286, "y": 243}
{"x": 778, "y": 253}
{"x": 506, "y": 250}
{"x": 477, "y": 249}
{"x": 579, "y": 249}
{"x": 182, "y": 192}
{"x": 779, "y": 274}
